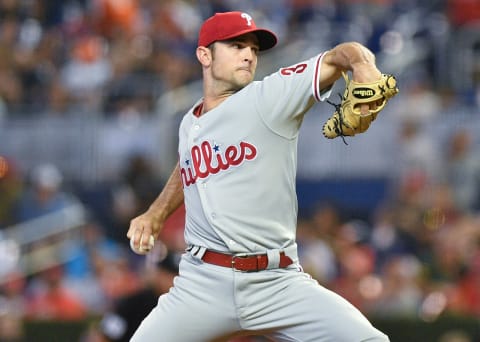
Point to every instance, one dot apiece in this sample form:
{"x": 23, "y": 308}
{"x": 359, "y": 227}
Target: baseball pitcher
{"x": 236, "y": 173}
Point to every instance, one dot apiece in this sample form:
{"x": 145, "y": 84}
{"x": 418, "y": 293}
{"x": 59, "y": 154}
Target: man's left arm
{"x": 351, "y": 56}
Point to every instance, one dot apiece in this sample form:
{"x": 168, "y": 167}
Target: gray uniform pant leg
{"x": 198, "y": 308}
{"x": 300, "y": 310}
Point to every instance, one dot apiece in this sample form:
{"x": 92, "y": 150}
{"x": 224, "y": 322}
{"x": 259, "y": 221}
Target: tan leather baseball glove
{"x": 347, "y": 120}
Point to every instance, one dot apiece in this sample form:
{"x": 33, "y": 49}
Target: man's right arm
{"x": 151, "y": 222}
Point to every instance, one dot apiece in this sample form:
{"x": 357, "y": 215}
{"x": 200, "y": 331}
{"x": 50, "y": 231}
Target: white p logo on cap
{"x": 248, "y": 18}
{"x": 228, "y": 25}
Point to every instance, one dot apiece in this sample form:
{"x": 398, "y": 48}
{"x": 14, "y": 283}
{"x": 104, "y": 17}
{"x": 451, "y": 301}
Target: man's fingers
{"x": 139, "y": 229}
{"x": 131, "y": 230}
{"x": 145, "y": 236}
{"x": 365, "y": 109}
{"x": 137, "y": 235}
{"x": 133, "y": 227}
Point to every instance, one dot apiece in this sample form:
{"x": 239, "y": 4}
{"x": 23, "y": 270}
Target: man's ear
{"x": 204, "y": 55}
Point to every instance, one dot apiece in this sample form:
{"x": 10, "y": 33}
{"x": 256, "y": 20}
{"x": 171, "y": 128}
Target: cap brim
{"x": 266, "y": 39}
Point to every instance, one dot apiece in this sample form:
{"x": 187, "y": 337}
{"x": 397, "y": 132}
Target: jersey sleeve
{"x": 285, "y": 96}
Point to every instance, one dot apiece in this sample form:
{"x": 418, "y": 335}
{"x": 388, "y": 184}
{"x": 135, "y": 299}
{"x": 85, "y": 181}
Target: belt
{"x": 249, "y": 263}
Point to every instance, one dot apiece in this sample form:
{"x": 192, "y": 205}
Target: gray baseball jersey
{"x": 238, "y": 163}
{"x": 238, "y": 166}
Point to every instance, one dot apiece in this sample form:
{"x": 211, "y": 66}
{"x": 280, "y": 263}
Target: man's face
{"x": 234, "y": 61}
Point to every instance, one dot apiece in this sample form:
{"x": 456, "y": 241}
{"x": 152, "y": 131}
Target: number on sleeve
{"x": 296, "y": 69}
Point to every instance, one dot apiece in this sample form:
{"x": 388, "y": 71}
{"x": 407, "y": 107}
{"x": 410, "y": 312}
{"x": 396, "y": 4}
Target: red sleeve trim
{"x": 316, "y": 79}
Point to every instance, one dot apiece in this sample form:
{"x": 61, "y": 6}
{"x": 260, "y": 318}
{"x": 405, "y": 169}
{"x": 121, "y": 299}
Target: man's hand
{"x": 141, "y": 228}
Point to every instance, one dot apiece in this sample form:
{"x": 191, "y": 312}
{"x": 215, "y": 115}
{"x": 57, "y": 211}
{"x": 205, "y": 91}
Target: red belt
{"x": 249, "y": 263}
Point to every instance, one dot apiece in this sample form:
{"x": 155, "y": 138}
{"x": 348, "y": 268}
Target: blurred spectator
{"x": 174, "y": 67}
{"x": 455, "y": 265}
{"x": 315, "y": 254}
{"x": 318, "y": 231}
{"x": 119, "y": 323}
{"x": 137, "y": 186}
{"x": 466, "y": 295}
{"x": 116, "y": 276}
{"x": 326, "y": 219}
{"x": 440, "y": 207}
{"x": 11, "y": 188}
{"x": 86, "y": 73}
{"x": 409, "y": 210}
{"x": 83, "y": 257}
{"x": 85, "y": 261}
{"x": 387, "y": 240}
{"x": 449, "y": 256}
{"x": 11, "y": 88}
{"x": 463, "y": 12}
{"x": 417, "y": 160}
{"x": 421, "y": 103}
{"x": 462, "y": 169}
{"x": 12, "y": 307}
{"x": 51, "y": 97}
{"x": 117, "y": 18}
{"x": 356, "y": 264}
{"x": 401, "y": 293}
{"x": 44, "y": 195}
{"x": 124, "y": 206}
{"x": 175, "y": 22}
{"x": 52, "y": 300}
{"x": 141, "y": 176}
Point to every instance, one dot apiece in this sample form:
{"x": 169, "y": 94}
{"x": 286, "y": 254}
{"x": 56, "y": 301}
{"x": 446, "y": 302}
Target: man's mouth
{"x": 245, "y": 69}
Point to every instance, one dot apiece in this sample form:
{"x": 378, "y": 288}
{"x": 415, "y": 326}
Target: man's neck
{"x": 210, "y": 103}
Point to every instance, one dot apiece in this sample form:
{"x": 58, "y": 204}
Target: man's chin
{"x": 242, "y": 83}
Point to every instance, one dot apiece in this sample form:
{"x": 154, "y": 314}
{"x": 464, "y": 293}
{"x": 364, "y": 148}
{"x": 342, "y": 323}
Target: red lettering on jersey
{"x": 209, "y": 161}
{"x": 296, "y": 69}
{"x": 187, "y": 179}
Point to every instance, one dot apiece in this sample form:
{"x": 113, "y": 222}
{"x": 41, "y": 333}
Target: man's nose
{"x": 249, "y": 53}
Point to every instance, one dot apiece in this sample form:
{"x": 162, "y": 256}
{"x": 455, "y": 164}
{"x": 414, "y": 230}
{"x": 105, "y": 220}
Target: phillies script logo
{"x": 207, "y": 160}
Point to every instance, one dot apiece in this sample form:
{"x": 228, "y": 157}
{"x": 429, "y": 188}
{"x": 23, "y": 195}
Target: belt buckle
{"x": 245, "y": 257}
{"x": 233, "y": 262}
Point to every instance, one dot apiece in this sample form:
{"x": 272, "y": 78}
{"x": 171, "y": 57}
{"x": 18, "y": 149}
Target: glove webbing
{"x": 339, "y": 122}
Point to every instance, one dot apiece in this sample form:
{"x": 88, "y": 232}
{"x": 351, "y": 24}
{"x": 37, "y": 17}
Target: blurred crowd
{"x": 107, "y": 56}
{"x": 417, "y": 254}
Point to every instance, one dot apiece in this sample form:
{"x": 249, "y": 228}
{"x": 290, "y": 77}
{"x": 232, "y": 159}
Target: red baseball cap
{"x": 227, "y": 25}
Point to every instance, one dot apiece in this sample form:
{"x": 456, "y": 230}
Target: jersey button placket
{"x": 195, "y": 131}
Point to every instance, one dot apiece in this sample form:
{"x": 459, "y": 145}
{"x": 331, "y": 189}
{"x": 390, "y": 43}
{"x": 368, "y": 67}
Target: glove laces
{"x": 339, "y": 122}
